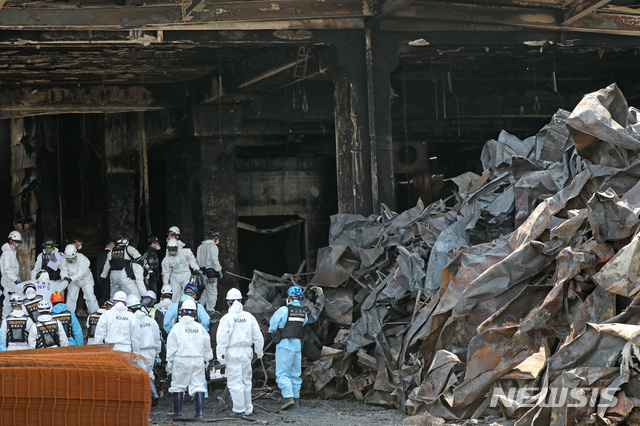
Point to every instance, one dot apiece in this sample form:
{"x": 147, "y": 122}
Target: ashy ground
{"x": 311, "y": 412}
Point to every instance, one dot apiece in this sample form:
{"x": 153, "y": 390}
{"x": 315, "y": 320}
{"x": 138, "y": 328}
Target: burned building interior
{"x": 262, "y": 119}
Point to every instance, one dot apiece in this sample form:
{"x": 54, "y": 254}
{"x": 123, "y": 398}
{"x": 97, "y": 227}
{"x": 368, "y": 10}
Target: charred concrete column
{"x": 382, "y": 59}
{"x": 181, "y": 192}
{"x": 48, "y": 192}
{"x": 121, "y": 178}
{"x": 216, "y": 176}
{"x": 217, "y": 182}
{"x": 353, "y": 154}
{"x": 362, "y": 95}
{"x": 21, "y": 163}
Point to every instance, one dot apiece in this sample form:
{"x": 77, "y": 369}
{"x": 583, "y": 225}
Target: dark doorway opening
{"x": 271, "y": 244}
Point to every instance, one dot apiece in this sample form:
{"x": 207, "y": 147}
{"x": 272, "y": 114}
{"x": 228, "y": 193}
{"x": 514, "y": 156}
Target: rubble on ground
{"x": 526, "y": 287}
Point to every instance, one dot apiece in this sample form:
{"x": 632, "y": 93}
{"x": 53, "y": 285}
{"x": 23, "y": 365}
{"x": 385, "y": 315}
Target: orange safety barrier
{"x": 76, "y": 385}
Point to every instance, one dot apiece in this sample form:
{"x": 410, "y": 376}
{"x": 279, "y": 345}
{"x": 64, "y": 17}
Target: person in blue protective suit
{"x": 286, "y": 327}
{"x": 173, "y": 313}
{"x": 69, "y": 321}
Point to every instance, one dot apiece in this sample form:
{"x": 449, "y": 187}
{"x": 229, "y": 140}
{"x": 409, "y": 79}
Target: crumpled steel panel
{"x": 522, "y": 279}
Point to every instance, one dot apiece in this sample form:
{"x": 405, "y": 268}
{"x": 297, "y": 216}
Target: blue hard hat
{"x": 294, "y": 291}
{"x": 190, "y": 289}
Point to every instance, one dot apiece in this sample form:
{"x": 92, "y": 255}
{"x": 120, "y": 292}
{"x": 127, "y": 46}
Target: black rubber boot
{"x": 178, "y": 398}
{"x": 199, "y": 405}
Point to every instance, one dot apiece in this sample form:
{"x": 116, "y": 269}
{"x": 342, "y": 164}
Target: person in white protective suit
{"x": 51, "y": 260}
{"x": 150, "y": 343}
{"x": 77, "y": 268}
{"x": 31, "y": 300}
{"x": 10, "y": 270}
{"x": 237, "y": 331}
{"x": 44, "y": 287}
{"x": 173, "y": 233}
{"x": 92, "y": 322}
{"x": 207, "y": 258}
{"x": 119, "y": 264}
{"x": 166, "y": 296}
{"x": 175, "y": 267}
{"x": 49, "y": 331}
{"x": 17, "y": 326}
{"x": 188, "y": 353}
{"x": 117, "y": 326}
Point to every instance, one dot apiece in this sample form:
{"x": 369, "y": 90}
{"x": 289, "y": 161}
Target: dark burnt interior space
{"x": 111, "y": 131}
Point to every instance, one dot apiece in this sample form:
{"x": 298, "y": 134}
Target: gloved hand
{"x": 157, "y": 362}
{"x": 206, "y": 365}
{"x": 16, "y": 282}
{"x": 220, "y": 273}
{"x": 169, "y": 366}
{"x": 222, "y": 360}
{"x": 199, "y": 271}
{"x": 260, "y": 355}
{"x": 67, "y": 279}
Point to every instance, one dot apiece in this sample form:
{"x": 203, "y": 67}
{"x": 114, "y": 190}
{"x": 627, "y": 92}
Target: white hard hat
{"x": 234, "y": 294}
{"x": 151, "y": 294}
{"x": 70, "y": 251}
{"x": 42, "y": 275}
{"x": 172, "y": 244}
{"x": 174, "y": 230}
{"x": 15, "y": 236}
{"x": 15, "y": 299}
{"x": 132, "y": 300}
{"x": 189, "y": 304}
{"x": 166, "y": 289}
{"x": 123, "y": 240}
{"x": 120, "y": 296}
{"x": 44, "y": 306}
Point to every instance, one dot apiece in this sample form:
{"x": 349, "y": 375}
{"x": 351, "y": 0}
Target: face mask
{"x": 15, "y": 246}
{"x": 71, "y": 260}
{"x": 158, "y": 247}
{"x": 31, "y": 293}
{"x": 48, "y": 251}
{"x": 80, "y": 248}
{"x": 173, "y": 252}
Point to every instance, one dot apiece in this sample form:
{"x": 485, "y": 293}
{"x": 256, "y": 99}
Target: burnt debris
{"x": 517, "y": 297}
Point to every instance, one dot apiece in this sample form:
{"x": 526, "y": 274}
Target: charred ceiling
{"x": 267, "y": 74}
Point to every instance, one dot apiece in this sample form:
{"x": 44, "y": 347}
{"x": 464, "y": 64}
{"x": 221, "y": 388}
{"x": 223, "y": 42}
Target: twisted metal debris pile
{"x": 523, "y": 297}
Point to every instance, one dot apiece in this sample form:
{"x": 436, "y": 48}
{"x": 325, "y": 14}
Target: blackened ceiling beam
{"x": 173, "y": 36}
{"x": 25, "y": 101}
{"x": 148, "y": 17}
{"x": 582, "y": 8}
{"x": 520, "y": 17}
{"x": 387, "y": 8}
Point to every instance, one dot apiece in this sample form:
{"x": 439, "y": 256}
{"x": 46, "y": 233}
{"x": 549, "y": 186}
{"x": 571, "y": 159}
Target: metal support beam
{"x": 194, "y": 7}
{"x": 455, "y": 14}
{"x": 582, "y": 8}
{"x": 168, "y": 16}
